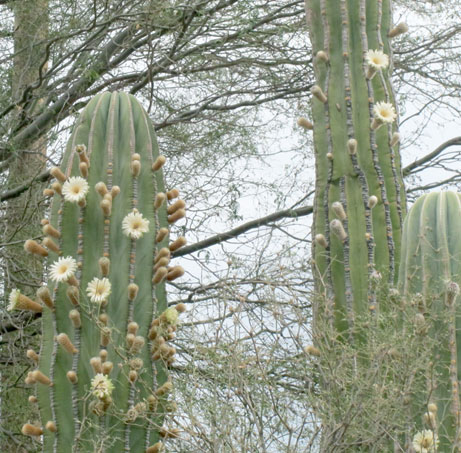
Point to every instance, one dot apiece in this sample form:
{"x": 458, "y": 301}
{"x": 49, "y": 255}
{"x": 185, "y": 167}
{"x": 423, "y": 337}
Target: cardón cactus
{"x": 360, "y": 200}
{"x": 102, "y": 371}
{"x": 430, "y": 276}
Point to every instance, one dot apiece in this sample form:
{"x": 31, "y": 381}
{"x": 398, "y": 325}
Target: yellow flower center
{"x": 136, "y": 225}
{"x": 62, "y": 269}
{"x": 385, "y": 113}
{"x": 426, "y": 442}
{"x": 76, "y": 190}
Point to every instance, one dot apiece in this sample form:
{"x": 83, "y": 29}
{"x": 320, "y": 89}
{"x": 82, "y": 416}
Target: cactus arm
{"x": 120, "y": 149}
{"x": 344, "y": 268}
{"x": 430, "y": 271}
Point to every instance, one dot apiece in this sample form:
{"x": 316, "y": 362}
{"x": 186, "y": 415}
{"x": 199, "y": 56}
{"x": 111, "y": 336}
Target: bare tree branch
{"x": 221, "y": 237}
{"x": 409, "y": 169}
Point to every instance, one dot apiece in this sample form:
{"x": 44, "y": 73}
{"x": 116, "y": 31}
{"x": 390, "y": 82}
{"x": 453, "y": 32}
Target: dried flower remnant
{"x": 425, "y": 442}
{"x": 101, "y": 386}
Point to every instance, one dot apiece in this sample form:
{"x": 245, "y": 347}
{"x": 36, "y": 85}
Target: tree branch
{"x": 221, "y": 237}
{"x": 16, "y": 191}
{"x": 428, "y": 157}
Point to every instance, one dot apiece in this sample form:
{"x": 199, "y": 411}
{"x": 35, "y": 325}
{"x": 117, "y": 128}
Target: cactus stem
{"x": 181, "y": 308}
{"x": 64, "y": 340}
{"x": 305, "y": 123}
{"x": 101, "y": 188}
{"x": 160, "y": 275}
{"x": 321, "y": 240}
{"x": 103, "y": 355}
{"x": 105, "y": 336}
{"x": 174, "y": 273}
{"x": 58, "y": 174}
{"x": 49, "y": 230}
{"x": 43, "y": 294}
{"x": 172, "y": 194}
{"x": 96, "y": 364}
{"x": 178, "y": 243}
{"x": 162, "y": 262}
{"x": 107, "y": 368}
{"x": 159, "y": 162}
{"x": 137, "y": 344}
{"x": 159, "y": 199}
{"x": 179, "y": 204}
{"x": 74, "y": 316}
{"x": 19, "y": 301}
{"x": 135, "y": 168}
{"x": 161, "y": 234}
{"x": 133, "y": 327}
{"x": 162, "y": 253}
{"x": 179, "y": 214}
{"x": 73, "y": 295}
{"x": 72, "y": 377}
{"x": 339, "y": 211}
{"x": 114, "y": 191}
{"x": 104, "y": 266}
{"x": 38, "y": 376}
{"x": 352, "y": 146}
{"x": 51, "y": 245}
{"x": 321, "y": 55}
{"x": 35, "y": 248}
{"x": 132, "y": 291}
{"x": 31, "y": 430}
{"x": 106, "y": 207}
{"x": 399, "y": 29}
{"x": 57, "y": 188}
{"x": 319, "y": 94}
{"x": 51, "y": 426}
{"x": 32, "y": 355}
{"x": 83, "y": 169}
{"x": 72, "y": 280}
{"x": 395, "y": 139}
{"x": 337, "y": 228}
{"x": 82, "y": 155}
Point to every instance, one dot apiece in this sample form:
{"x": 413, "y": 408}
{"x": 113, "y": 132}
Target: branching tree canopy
{"x": 224, "y": 82}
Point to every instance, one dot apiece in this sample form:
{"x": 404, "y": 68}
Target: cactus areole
{"x": 360, "y": 200}
{"x": 101, "y": 374}
{"x": 430, "y": 273}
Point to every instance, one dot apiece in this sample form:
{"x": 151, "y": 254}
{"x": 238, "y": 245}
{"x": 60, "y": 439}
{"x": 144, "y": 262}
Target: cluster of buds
{"x": 163, "y": 330}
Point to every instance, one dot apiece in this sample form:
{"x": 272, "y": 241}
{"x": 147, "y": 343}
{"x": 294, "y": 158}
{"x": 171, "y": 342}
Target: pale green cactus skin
{"x": 113, "y": 127}
{"x": 344, "y": 270}
{"x": 431, "y": 269}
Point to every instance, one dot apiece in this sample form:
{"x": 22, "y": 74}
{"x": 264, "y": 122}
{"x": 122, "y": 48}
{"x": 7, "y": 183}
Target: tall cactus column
{"x": 360, "y": 200}
{"x": 430, "y": 274}
{"x": 102, "y": 371}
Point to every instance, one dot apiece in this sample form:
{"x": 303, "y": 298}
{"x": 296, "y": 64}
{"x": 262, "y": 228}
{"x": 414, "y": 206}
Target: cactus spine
{"x": 431, "y": 271}
{"x": 360, "y": 200}
{"x": 102, "y": 375}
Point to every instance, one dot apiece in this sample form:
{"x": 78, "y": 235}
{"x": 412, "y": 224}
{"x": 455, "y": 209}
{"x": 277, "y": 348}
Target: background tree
{"x": 224, "y": 82}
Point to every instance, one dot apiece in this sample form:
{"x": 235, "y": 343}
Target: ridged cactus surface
{"x": 430, "y": 277}
{"x": 360, "y": 200}
{"x": 101, "y": 374}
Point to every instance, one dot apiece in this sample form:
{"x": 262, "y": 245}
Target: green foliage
{"x": 366, "y": 391}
